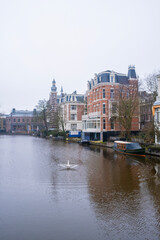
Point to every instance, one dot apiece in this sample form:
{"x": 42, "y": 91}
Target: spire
{"x": 61, "y": 90}
{"x": 54, "y": 88}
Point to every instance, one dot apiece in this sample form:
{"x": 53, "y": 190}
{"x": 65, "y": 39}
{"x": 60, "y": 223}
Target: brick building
{"x": 145, "y": 105}
{"x": 100, "y": 122}
{"x": 23, "y": 121}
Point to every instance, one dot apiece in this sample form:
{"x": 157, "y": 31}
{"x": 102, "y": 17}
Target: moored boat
{"x": 131, "y": 148}
{"x": 84, "y": 142}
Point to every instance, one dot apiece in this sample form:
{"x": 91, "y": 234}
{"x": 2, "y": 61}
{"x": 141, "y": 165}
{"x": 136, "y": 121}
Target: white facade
{"x": 91, "y": 122}
{"x": 72, "y": 107}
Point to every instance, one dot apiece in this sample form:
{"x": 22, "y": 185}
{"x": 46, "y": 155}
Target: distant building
{"x": 23, "y": 121}
{"x": 2, "y": 123}
{"x": 156, "y": 111}
{"x": 146, "y": 101}
{"x": 65, "y": 108}
{"x": 101, "y": 122}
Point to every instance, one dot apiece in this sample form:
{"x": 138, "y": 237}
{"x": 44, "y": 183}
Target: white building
{"x": 72, "y": 106}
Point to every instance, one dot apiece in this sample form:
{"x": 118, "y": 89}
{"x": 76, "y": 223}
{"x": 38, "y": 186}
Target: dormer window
{"x": 112, "y": 78}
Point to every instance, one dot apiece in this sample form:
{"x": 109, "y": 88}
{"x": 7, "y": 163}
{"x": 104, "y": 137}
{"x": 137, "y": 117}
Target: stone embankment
{"x": 150, "y": 149}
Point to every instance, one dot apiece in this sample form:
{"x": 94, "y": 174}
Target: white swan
{"x": 68, "y": 165}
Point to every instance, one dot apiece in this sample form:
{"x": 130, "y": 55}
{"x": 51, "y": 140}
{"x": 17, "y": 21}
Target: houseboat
{"x": 130, "y": 148}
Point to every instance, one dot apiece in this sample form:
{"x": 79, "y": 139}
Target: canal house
{"x": 101, "y": 120}
{"x": 72, "y": 107}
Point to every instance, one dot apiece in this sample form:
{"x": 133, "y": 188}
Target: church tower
{"x": 53, "y": 95}
{"x": 53, "y": 106}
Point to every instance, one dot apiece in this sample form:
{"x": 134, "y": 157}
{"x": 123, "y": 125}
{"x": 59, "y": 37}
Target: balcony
{"x": 94, "y": 115}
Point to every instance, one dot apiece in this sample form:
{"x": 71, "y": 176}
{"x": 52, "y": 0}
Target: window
{"x": 114, "y": 108}
{"x": 73, "y": 98}
{"x": 104, "y": 108}
{"x": 112, "y": 93}
{"x": 112, "y": 78}
{"x": 14, "y": 120}
{"x": 104, "y": 123}
{"x": 18, "y": 120}
{"x": 73, "y": 107}
{"x": 73, "y": 116}
{"x": 104, "y": 93}
{"x": 73, "y": 127}
{"x": 112, "y": 123}
{"x": 157, "y": 116}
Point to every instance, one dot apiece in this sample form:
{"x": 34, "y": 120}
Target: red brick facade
{"x": 103, "y": 96}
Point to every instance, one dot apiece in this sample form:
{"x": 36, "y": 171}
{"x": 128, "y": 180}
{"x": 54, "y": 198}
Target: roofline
{"x": 109, "y": 71}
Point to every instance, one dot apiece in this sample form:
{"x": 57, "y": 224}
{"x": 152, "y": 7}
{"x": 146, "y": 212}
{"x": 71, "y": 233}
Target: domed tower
{"x": 53, "y": 106}
{"x": 54, "y": 88}
{"x": 53, "y": 94}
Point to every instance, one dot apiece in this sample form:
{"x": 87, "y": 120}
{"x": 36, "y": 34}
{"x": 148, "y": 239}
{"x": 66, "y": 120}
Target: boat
{"x": 68, "y": 165}
{"x": 84, "y": 142}
{"x": 131, "y": 148}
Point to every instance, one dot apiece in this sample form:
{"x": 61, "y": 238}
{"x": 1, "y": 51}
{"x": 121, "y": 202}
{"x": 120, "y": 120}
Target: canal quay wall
{"x": 153, "y": 150}
{"x": 150, "y": 149}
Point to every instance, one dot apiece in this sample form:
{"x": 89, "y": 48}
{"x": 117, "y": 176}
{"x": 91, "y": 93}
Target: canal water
{"x": 109, "y": 196}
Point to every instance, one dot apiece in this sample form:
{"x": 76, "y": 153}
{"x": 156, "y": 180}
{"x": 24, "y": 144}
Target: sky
{"x": 69, "y": 41}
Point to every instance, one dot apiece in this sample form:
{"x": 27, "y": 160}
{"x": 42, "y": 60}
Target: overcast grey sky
{"x": 70, "y": 40}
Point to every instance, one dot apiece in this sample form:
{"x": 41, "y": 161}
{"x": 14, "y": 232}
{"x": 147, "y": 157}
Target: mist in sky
{"x": 70, "y": 40}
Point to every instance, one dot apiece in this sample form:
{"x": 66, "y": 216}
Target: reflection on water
{"x": 108, "y": 196}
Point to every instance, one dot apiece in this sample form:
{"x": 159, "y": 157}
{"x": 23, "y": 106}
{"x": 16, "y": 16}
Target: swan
{"x": 68, "y": 165}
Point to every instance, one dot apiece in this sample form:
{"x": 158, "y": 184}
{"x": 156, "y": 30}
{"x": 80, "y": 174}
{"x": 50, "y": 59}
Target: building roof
{"x": 113, "y": 77}
{"x": 21, "y": 113}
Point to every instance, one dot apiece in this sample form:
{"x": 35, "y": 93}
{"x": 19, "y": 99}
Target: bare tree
{"x": 60, "y": 119}
{"x": 127, "y": 107}
{"x": 151, "y": 84}
{"x": 42, "y": 107}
